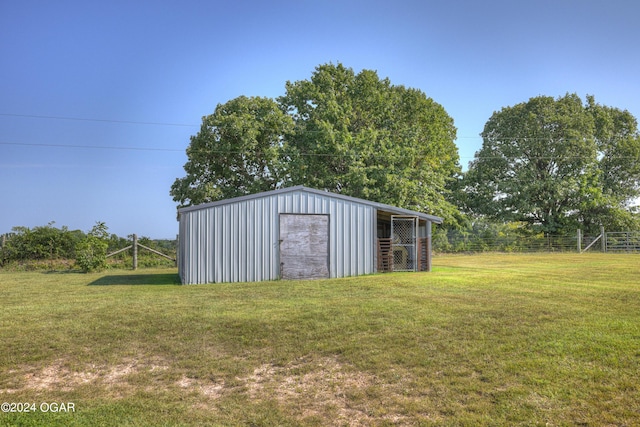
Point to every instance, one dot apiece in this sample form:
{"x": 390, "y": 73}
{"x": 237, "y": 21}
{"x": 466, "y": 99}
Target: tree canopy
{"x": 354, "y": 134}
{"x": 552, "y": 163}
{"x": 236, "y": 152}
{"x": 557, "y": 164}
{"x": 359, "y": 135}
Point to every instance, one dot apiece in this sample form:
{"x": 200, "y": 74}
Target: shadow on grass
{"x": 137, "y": 279}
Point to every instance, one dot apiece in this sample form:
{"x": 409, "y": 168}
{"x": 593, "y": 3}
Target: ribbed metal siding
{"x": 238, "y": 242}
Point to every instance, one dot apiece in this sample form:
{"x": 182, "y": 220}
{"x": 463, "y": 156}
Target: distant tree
{"x": 236, "y": 152}
{"x": 557, "y": 164}
{"x": 116, "y": 242}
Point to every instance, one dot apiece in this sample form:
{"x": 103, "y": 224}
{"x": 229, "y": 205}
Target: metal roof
{"x": 380, "y": 206}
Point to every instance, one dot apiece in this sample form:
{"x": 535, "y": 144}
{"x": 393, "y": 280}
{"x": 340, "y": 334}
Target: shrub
{"x": 91, "y": 252}
{"x": 40, "y": 243}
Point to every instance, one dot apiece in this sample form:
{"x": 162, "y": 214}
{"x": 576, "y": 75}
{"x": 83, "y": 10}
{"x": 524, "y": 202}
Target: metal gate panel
{"x": 626, "y": 241}
{"x": 404, "y": 232}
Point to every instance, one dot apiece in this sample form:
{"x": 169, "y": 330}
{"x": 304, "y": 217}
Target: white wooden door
{"x": 304, "y": 246}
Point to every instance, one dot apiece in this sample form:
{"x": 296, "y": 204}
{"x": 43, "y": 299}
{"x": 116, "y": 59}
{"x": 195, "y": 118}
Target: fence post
{"x": 135, "y": 252}
{"x": 177, "y": 248}
{"x": 429, "y": 247}
{"x": 604, "y": 239}
{"x": 579, "y": 241}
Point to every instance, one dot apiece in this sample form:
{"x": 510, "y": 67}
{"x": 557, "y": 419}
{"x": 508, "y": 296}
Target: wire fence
{"x": 458, "y": 242}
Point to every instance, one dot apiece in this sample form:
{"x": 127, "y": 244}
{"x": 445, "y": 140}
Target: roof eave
{"x": 380, "y": 206}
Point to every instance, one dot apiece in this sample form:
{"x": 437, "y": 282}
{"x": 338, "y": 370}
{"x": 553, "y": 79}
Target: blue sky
{"x": 98, "y": 99}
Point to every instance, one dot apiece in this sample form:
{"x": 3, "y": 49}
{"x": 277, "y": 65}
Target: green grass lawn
{"x": 543, "y": 339}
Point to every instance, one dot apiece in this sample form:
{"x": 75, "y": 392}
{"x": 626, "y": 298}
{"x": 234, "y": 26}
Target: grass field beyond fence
{"x": 494, "y": 339}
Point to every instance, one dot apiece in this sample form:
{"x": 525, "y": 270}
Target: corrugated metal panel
{"x": 239, "y": 241}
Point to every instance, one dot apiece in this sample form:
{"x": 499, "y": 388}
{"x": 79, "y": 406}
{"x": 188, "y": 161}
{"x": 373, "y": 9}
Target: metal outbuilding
{"x": 299, "y": 233}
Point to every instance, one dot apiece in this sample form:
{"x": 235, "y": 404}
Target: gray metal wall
{"x": 238, "y": 241}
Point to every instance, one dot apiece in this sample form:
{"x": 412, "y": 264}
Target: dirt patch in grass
{"x": 209, "y": 389}
{"x": 118, "y": 378}
{"x": 58, "y": 377}
{"x": 325, "y": 389}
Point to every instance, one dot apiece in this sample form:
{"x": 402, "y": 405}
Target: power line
{"x": 35, "y": 116}
{"x": 80, "y": 119}
{"x": 182, "y": 150}
{"x": 99, "y": 147}
{"x": 104, "y": 147}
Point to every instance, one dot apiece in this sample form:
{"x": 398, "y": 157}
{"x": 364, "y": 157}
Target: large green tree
{"x": 557, "y": 164}
{"x": 236, "y": 152}
{"x": 349, "y": 133}
{"x": 359, "y": 135}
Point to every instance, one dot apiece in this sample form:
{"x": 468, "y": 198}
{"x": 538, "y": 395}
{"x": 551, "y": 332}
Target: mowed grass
{"x": 543, "y": 339}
